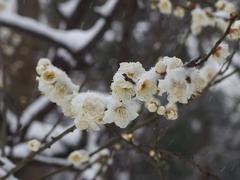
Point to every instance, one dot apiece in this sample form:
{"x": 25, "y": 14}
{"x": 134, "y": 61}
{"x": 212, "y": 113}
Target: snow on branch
{"x": 67, "y": 8}
{"x": 107, "y": 8}
{"x": 33, "y": 109}
{"x": 72, "y": 40}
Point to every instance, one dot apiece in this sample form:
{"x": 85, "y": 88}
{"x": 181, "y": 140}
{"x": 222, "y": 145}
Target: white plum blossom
{"x": 34, "y": 145}
{"x": 88, "y": 110}
{"x": 161, "y": 110}
{"x": 132, "y": 69}
{"x": 161, "y": 66}
{"x": 55, "y": 84}
{"x": 176, "y": 85}
{"x": 121, "y": 113}
{"x": 166, "y": 64}
{"x": 172, "y": 63}
{"x": 225, "y": 6}
{"x": 220, "y": 54}
{"x": 146, "y": 87}
{"x": 131, "y": 84}
{"x": 152, "y": 105}
{"x": 171, "y": 111}
{"x": 235, "y": 31}
{"x": 165, "y": 6}
{"x": 78, "y": 157}
{"x": 122, "y": 89}
{"x": 179, "y": 12}
{"x": 42, "y": 65}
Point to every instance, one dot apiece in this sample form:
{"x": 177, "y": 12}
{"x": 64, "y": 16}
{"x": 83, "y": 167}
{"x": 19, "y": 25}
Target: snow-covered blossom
{"x": 132, "y": 69}
{"x": 78, "y": 157}
{"x": 200, "y": 19}
{"x": 220, "y": 53}
{"x": 121, "y": 113}
{"x": 176, "y": 86}
{"x": 179, "y": 12}
{"x": 88, "y": 110}
{"x": 122, "y": 88}
{"x": 55, "y": 84}
{"x": 171, "y": 112}
{"x": 234, "y": 33}
{"x": 34, "y": 145}
{"x": 165, "y": 6}
{"x": 146, "y": 87}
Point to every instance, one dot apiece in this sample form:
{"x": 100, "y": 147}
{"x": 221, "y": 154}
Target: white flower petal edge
{"x": 121, "y": 113}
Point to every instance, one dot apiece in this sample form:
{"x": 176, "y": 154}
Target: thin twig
{"x": 52, "y": 129}
{"x": 64, "y": 168}
{"x": 225, "y": 77}
{"x": 26, "y": 160}
{"x": 190, "y": 162}
{"x": 195, "y": 63}
{"x": 115, "y": 140}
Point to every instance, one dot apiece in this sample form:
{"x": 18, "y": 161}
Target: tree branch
{"x": 201, "y": 61}
{"x": 25, "y": 161}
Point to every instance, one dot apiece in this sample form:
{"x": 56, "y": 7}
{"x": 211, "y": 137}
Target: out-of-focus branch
{"x": 111, "y": 142}
{"x": 64, "y": 168}
{"x": 72, "y": 40}
{"x": 201, "y": 61}
{"x": 225, "y": 77}
{"x": 222, "y": 70}
{"x": 52, "y": 129}
{"x": 192, "y": 163}
{"x": 33, "y": 154}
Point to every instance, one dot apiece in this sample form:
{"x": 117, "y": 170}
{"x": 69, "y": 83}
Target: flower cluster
{"x": 132, "y": 85}
{"x": 89, "y": 109}
{"x": 218, "y": 17}
{"x": 55, "y": 84}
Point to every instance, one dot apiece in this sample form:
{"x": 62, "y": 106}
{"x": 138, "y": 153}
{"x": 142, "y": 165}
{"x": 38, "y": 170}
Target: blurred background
{"x": 88, "y": 39}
